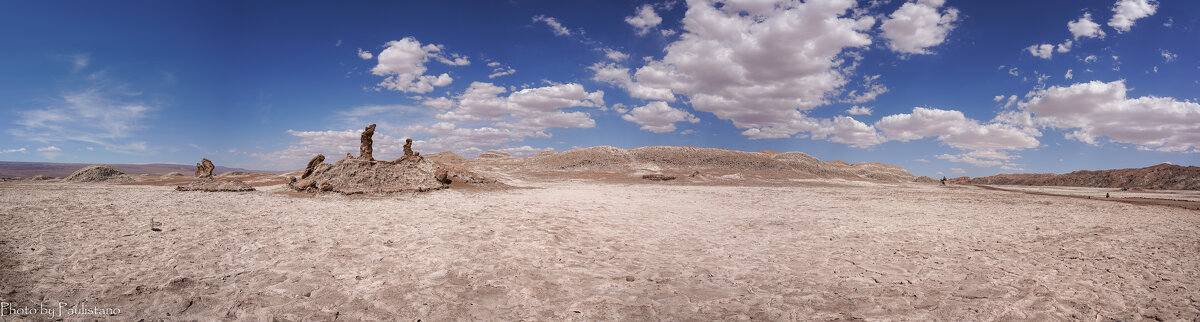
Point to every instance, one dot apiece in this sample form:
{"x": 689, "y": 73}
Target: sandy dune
{"x": 580, "y": 250}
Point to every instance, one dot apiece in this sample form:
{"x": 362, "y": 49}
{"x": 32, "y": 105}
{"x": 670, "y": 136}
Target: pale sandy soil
{"x": 1182, "y": 195}
{"x": 563, "y": 251}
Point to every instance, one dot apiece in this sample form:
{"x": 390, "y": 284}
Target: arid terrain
{"x": 61, "y": 170}
{"x": 1161, "y": 176}
{"x": 754, "y": 241}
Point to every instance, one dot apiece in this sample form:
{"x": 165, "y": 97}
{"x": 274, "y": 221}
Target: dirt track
{"x": 586, "y": 250}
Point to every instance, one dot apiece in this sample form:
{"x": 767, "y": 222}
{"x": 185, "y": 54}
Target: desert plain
{"x": 555, "y": 248}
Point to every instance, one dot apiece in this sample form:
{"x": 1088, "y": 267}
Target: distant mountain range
{"x": 1162, "y": 176}
{"x": 11, "y": 169}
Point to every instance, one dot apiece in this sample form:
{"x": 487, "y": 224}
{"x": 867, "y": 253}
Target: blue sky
{"x": 937, "y": 87}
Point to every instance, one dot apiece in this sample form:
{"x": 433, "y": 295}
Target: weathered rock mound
{"x": 205, "y": 182}
{"x": 597, "y": 158}
{"x": 874, "y": 171}
{"x": 234, "y": 174}
{"x": 99, "y": 173}
{"x": 925, "y": 179}
{"x": 446, "y": 158}
{"x": 494, "y": 155}
{"x": 800, "y": 161}
{"x": 684, "y": 159}
{"x": 210, "y": 185}
{"x": 355, "y": 176}
{"x": 362, "y": 174}
{"x": 1162, "y": 176}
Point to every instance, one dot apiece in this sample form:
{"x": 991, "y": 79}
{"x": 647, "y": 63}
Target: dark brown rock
{"x": 364, "y": 149}
{"x": 312, "y": 165}
{"x": 658, "y": 177}
{"x": 442, "y": 175}
{"x": 408, "y": 147}
{"x": 204, "y": 169}
{"x": 304, "y": 184}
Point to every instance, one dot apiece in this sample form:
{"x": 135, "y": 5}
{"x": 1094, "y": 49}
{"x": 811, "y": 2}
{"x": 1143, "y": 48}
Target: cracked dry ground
{"x": 587, "y": 251}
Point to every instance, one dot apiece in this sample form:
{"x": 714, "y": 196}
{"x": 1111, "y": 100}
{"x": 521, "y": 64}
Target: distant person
{"x": 1105, "y": 195}
{"x": 943, "y": 180}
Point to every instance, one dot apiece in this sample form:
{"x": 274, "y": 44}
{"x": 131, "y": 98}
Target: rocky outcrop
{"x": 686, "y": 159}
{"x": 408, "y": 152}
{"x": 206, "y": 182}
{"x": 494, "y": 155}
{"x": 357, "y": 176}
{"x": 658, "y": 177}
{"x": 40, "y": 177}
{"x": 205, "y": 168}
{"x": 99, "y": 173}
{"x": 1162, "y": 176}
{"x": 234, "y": 174}
{"x": 446, "y": 158}
{"x": 410, "y": 172}
{"x": 312, "y": 164}
{"x": 925, "y": 179}
{"x": 364, "y": 148}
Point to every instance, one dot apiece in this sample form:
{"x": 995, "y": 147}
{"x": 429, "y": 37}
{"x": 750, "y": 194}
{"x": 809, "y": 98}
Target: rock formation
{"x": 206, "y": 182}
{"x": 408, "y": 152}
{"x": 364, "y": 148}
{"x": 363, "y": 174}
{"x": 658, "y": 177}
{"x": 99, "y": 173}
{"x": 204, "y": 169}
{"x": 312, "y": 164}
{"x": 1161, "y": 176}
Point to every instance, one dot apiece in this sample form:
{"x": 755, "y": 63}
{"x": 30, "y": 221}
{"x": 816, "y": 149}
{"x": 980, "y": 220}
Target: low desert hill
{"x": 1162, "y": 176}
{"x": 681, "y": 161}
{"x": 11, "y": 169}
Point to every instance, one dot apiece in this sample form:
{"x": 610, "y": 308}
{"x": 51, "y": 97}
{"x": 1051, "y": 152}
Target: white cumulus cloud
{"x": 985, "y": 143}
{"x": 403, "y": 65}
{"x": 1127, "y": 12}
{"x": 917, "y": 26}
{"x": 1046, "y": 51}
{"x": 1095, "y": 109}
{"x": 658, "y": 117}
{"x": 617, "y": 75}
{"x": 859, "y": 110}
{"x": 755, "y": 63}
{"x": 615, "y": 55}
{"x": 365, "y": 55}
{"x": 644, "y": 20}
{"x": 1084, "y": 27}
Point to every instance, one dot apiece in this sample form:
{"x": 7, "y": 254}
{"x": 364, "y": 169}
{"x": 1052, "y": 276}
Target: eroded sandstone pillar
{"x": 205, "y": 168}
{"x": 364, "y": 150}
